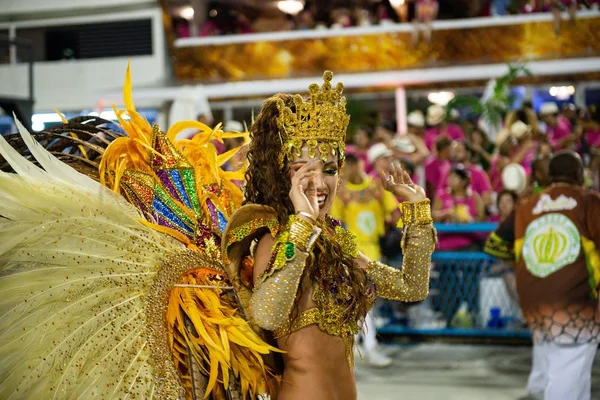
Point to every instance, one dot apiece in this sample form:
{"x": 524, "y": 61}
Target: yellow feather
{"x": 205, "y": 130}
{"x": 226, "y": 348}
{"x": 212, "y": 377}
{"x": 127, "y": 89}
{"x": 192, "y": 314}
{"x": 171, "y": 232}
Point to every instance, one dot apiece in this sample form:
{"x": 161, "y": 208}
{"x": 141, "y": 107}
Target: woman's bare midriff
{"x": 315, "y": 367}
{"x": 315, "y": 364}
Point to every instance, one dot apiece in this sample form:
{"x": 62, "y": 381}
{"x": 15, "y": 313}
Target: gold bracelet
{"x": 417, "y": 213}
{"x": 307, "y": 216}
{"x": 302, "y": 233}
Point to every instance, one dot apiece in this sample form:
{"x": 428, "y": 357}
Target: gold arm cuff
{"x": 302, "y": 233}
{"x": 415, "y": 213}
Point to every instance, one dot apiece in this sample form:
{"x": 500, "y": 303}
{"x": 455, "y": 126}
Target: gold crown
{"x": 320, "y": 122}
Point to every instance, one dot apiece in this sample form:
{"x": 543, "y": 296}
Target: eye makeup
{"x": 329, "y": 168}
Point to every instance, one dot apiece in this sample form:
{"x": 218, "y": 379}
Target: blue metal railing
{"x": 475, "y": 227}
{"x": 471, "y": 295}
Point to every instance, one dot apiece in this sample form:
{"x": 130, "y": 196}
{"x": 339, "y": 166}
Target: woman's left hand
{"x": 399, "y": 183}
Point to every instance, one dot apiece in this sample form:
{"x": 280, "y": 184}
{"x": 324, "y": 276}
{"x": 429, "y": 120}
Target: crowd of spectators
{"x": 463, "y": 165}
{"x": 225, "y": 20}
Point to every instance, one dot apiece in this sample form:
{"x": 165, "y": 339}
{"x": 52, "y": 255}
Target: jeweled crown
{"x": 318, "y": 123}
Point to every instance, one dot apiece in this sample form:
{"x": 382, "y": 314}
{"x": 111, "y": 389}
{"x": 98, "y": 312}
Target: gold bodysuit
{"x": 273, "y": 296}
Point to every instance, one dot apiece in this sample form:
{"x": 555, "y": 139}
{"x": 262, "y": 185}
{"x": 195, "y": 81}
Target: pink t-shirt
{"x": 562, "y": 129}
{"x": 480, "y": 182}
{"x": 456, "y": 241}
{"x": 593, "y": 138}
{"x": 453, "y": 131}
{"x": 528, "y": 160}
{"x": 435, "y": 171}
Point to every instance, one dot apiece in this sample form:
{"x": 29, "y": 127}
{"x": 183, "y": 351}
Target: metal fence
{"x": 471, "y": 294}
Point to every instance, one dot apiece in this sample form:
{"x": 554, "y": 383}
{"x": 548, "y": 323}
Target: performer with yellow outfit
{"x": 139, "y": 281}
{"x": 310, "y": 285}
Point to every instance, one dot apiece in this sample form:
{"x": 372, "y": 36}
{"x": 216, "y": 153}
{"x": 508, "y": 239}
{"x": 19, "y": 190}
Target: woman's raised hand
{"x": 399, "y": 183}
{"x": 304, "y": 192}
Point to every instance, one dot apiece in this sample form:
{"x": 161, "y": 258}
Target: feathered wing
{"x": 107, "y": 298}
{"x": 76, "y": 269}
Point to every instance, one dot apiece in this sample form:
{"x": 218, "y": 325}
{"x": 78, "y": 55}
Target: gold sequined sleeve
{"x": 418, "y": 242}
{"x": 275, "y": 289}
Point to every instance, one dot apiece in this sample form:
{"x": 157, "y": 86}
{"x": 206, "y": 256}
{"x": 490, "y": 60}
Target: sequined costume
{"x": 112, "y": 279}
{"x": 274, "y": 294}
{"x": 320, "y": 123}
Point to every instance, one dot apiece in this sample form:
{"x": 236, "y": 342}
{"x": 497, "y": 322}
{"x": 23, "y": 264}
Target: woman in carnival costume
{"x": 138, "y": 281}
{"x": 306, "y": 282}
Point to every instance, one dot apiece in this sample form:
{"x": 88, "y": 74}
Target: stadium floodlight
{"x": 291, "y": 7}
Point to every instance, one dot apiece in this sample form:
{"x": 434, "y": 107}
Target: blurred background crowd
{"x": 462, "y": 164}
{"x": 242, "y": 18}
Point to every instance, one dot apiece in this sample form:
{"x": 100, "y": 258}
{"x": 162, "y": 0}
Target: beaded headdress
{"x": 318, "y": 123}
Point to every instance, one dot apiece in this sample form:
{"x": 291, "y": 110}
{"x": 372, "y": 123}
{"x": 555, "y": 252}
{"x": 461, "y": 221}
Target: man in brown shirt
{"x": 554, "y": 240}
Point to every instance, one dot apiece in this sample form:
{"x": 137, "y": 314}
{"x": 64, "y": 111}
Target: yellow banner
{"x": 527, "y": 41}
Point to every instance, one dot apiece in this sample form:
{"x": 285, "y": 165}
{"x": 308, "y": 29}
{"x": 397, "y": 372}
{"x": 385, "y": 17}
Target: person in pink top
{"x": 526, "y": 147}
{"x": 458, "y": 204}
{"x": 505, "y": 144}
{"x": 479, "y": 182}
{"x": 591, "y": 128}
{"x": 436, "y": 119}
{"x": 559, "y": 130}
{"x": 512, "y": 150}
{"x": 438, "y": 166}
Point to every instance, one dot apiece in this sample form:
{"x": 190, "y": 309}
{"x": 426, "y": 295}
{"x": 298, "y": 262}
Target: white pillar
{"x": 579, "y": 98}
{"x": 401, "y": 111}
{"x": 12, "y": 50}
{"x": 227, "y": 113}
{"x": 200, "y": 11}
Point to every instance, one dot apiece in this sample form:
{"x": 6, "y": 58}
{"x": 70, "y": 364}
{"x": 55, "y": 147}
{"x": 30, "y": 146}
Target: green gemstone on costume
{"x": 290, "y": 251}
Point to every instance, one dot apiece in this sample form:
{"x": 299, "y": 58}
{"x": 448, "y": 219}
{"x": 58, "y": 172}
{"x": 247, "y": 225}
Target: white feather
{"x": 75, "y": 267}
{"x": 19, "y": 163}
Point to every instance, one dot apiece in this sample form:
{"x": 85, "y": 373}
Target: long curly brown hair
{"x": 267, "y": 184}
